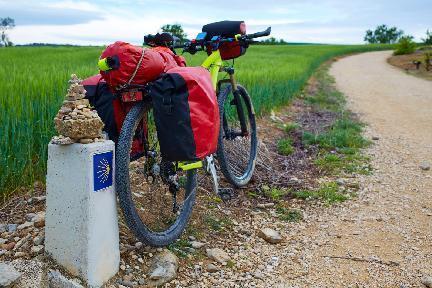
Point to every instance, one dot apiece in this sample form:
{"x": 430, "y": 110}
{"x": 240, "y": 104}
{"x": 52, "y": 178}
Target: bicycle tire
{"x": 123, "y": 188}
{"x": 222, "y": 153}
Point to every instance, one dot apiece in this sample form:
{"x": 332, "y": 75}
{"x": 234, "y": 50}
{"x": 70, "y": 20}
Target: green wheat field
{"x": 33, "y": 82}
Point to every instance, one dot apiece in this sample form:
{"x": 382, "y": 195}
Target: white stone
{"x": 218, "y": 255}
{"x": 270, "y": 235}
{"x": 57, "y": 280}
{"x": 8, "y": 275}
{"x": 163, "y": 268}
{"x": 81, "y": 229}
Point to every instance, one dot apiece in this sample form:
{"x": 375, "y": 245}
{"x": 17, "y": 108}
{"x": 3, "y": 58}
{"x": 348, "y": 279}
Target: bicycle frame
{"x": 213, "y": 63}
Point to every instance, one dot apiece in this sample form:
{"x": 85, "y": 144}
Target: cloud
{"x": 46, "y": 13}
{"x": 104, "y": 21}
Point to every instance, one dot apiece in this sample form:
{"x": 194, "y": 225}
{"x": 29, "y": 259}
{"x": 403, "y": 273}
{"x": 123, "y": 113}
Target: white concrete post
{"x": 81, "y": 231}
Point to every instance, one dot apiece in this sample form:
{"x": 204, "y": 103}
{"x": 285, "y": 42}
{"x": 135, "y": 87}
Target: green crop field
{"x": 33, "y": 82}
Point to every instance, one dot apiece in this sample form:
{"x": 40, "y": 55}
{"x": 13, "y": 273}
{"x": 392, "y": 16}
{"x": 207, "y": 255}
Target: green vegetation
{"x": 344, "y": 135}
{"x": 428, "y": 39}
{"x": 383, "y": 34}
{"x": 290, "y": 127}
{"x": 405, "y": 46}
{"x": 275, "y": 194}
{"x": 328, "y": 192}
{"x": 289, "y": 215}
{"x": 285, "y": 147}
{"x": 340, "y": 144}
{"x": 34, "y": 82}
{"x": 217, "y": 224}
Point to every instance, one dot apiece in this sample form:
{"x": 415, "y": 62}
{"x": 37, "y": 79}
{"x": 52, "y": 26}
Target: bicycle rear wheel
{"x": 145, "y": 186}
{"x": 237, "y": 149}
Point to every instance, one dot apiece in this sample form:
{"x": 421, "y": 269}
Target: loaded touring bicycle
{"x": 171, "y": 126}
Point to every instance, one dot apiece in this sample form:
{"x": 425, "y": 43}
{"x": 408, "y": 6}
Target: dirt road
{"x": 390, "y": 225}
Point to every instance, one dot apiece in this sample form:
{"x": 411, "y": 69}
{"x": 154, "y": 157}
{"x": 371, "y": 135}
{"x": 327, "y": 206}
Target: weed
{"x": 217, "y": 224}
{"x": 230, "y": 264}
{"x": 289, "y": 215}
{"x": 328, "y": 192}
{"x": 276, "y": 193}
{"x": 289, "y": 127}
{"x": 344, "y": 133}
{"x": 284, "y": 146}
{"x": 178, "y": 247}
{"x": 329, "y": 162}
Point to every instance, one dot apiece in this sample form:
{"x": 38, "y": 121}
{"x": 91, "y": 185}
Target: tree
{"x": 428, "y": 39}
{"x": 406, "y": 45}
{"x": 6, "y": 24}
{"x": 383, "y": 35}
{"x": 175, "y": 30}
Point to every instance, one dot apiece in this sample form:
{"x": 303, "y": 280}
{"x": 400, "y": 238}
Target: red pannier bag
{"x": 186, "y": 114}
{"x": 228, "y": 29}
{"x": 137, "y": 65}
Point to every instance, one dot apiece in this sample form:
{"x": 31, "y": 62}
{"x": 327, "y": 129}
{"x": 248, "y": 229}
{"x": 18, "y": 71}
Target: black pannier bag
{"x": 228, "y": 29}
{"x": 101, "y": 97}
{"x": 186, "y": 114}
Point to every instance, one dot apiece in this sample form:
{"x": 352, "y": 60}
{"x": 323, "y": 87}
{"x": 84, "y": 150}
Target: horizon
{"x": 98, "y": 23}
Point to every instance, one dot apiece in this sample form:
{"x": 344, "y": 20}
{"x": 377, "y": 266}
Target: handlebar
{"x": 260, "y": 34}
{"x": 194, "y": 46}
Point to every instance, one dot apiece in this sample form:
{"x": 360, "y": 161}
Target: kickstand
{"x": 224, "y": 193}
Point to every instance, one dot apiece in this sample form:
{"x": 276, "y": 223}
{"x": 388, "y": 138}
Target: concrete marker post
{"x": 81, "y": 229}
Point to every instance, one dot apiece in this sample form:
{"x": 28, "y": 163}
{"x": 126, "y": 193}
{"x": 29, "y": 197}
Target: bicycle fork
{"x": 237, "y": 101}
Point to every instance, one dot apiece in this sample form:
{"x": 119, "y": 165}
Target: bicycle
{"x": 146, "y": 203}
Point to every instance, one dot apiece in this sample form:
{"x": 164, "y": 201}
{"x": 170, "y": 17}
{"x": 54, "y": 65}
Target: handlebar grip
{"x": 260, "y": 34}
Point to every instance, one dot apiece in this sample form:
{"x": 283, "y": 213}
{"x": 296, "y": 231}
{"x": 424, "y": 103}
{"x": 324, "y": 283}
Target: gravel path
{"x": 393, "y": 219}
{"x": 383, "y": 237}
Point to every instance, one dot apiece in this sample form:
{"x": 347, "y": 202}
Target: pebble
{"x": 427, "y": 281}
{"x": 12, "y": 227}
{"x": 212, "y": 268}
{"x": 39, "y": 219}
{"x": 37, "y": 249}
{"x": 56, "y": 279}
{"x": 19, "y": 254}
{"x": 8, "y": 275}
{"x": 265, "y": 205}
{"x": 138, "y": 245}
{"x": 270, "y": 235}
{"x": 375, "y": 138}
{"x": 163, "y": 268}
{"x": 425, "y": 166}
{"x": 25, "y": 225}
{"x": 38, "y": 240}
{"x": 9, "y": 246}
{"x": 3, "y": 228}
{"x": 218, "y": 255}
{"x": 197, "y": 245}
{"x": 86, "y": 141}
{"x": 30, "y": 216}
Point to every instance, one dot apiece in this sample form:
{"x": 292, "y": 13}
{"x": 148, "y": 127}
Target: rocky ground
{"x": 379, "y": 238}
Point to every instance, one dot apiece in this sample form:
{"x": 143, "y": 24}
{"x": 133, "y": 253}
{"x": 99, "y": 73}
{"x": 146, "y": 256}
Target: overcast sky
{"x": 101, "y": 22}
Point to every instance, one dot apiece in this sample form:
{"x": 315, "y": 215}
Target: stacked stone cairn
{"x": 76, "y": 122}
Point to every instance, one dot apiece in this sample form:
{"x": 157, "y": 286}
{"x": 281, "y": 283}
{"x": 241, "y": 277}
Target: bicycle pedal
{"x": 226, "y": 194}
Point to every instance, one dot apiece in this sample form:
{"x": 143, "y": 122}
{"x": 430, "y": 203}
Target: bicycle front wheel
{"x": 153, "y": 210}
{"x": 237, "y": 146}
